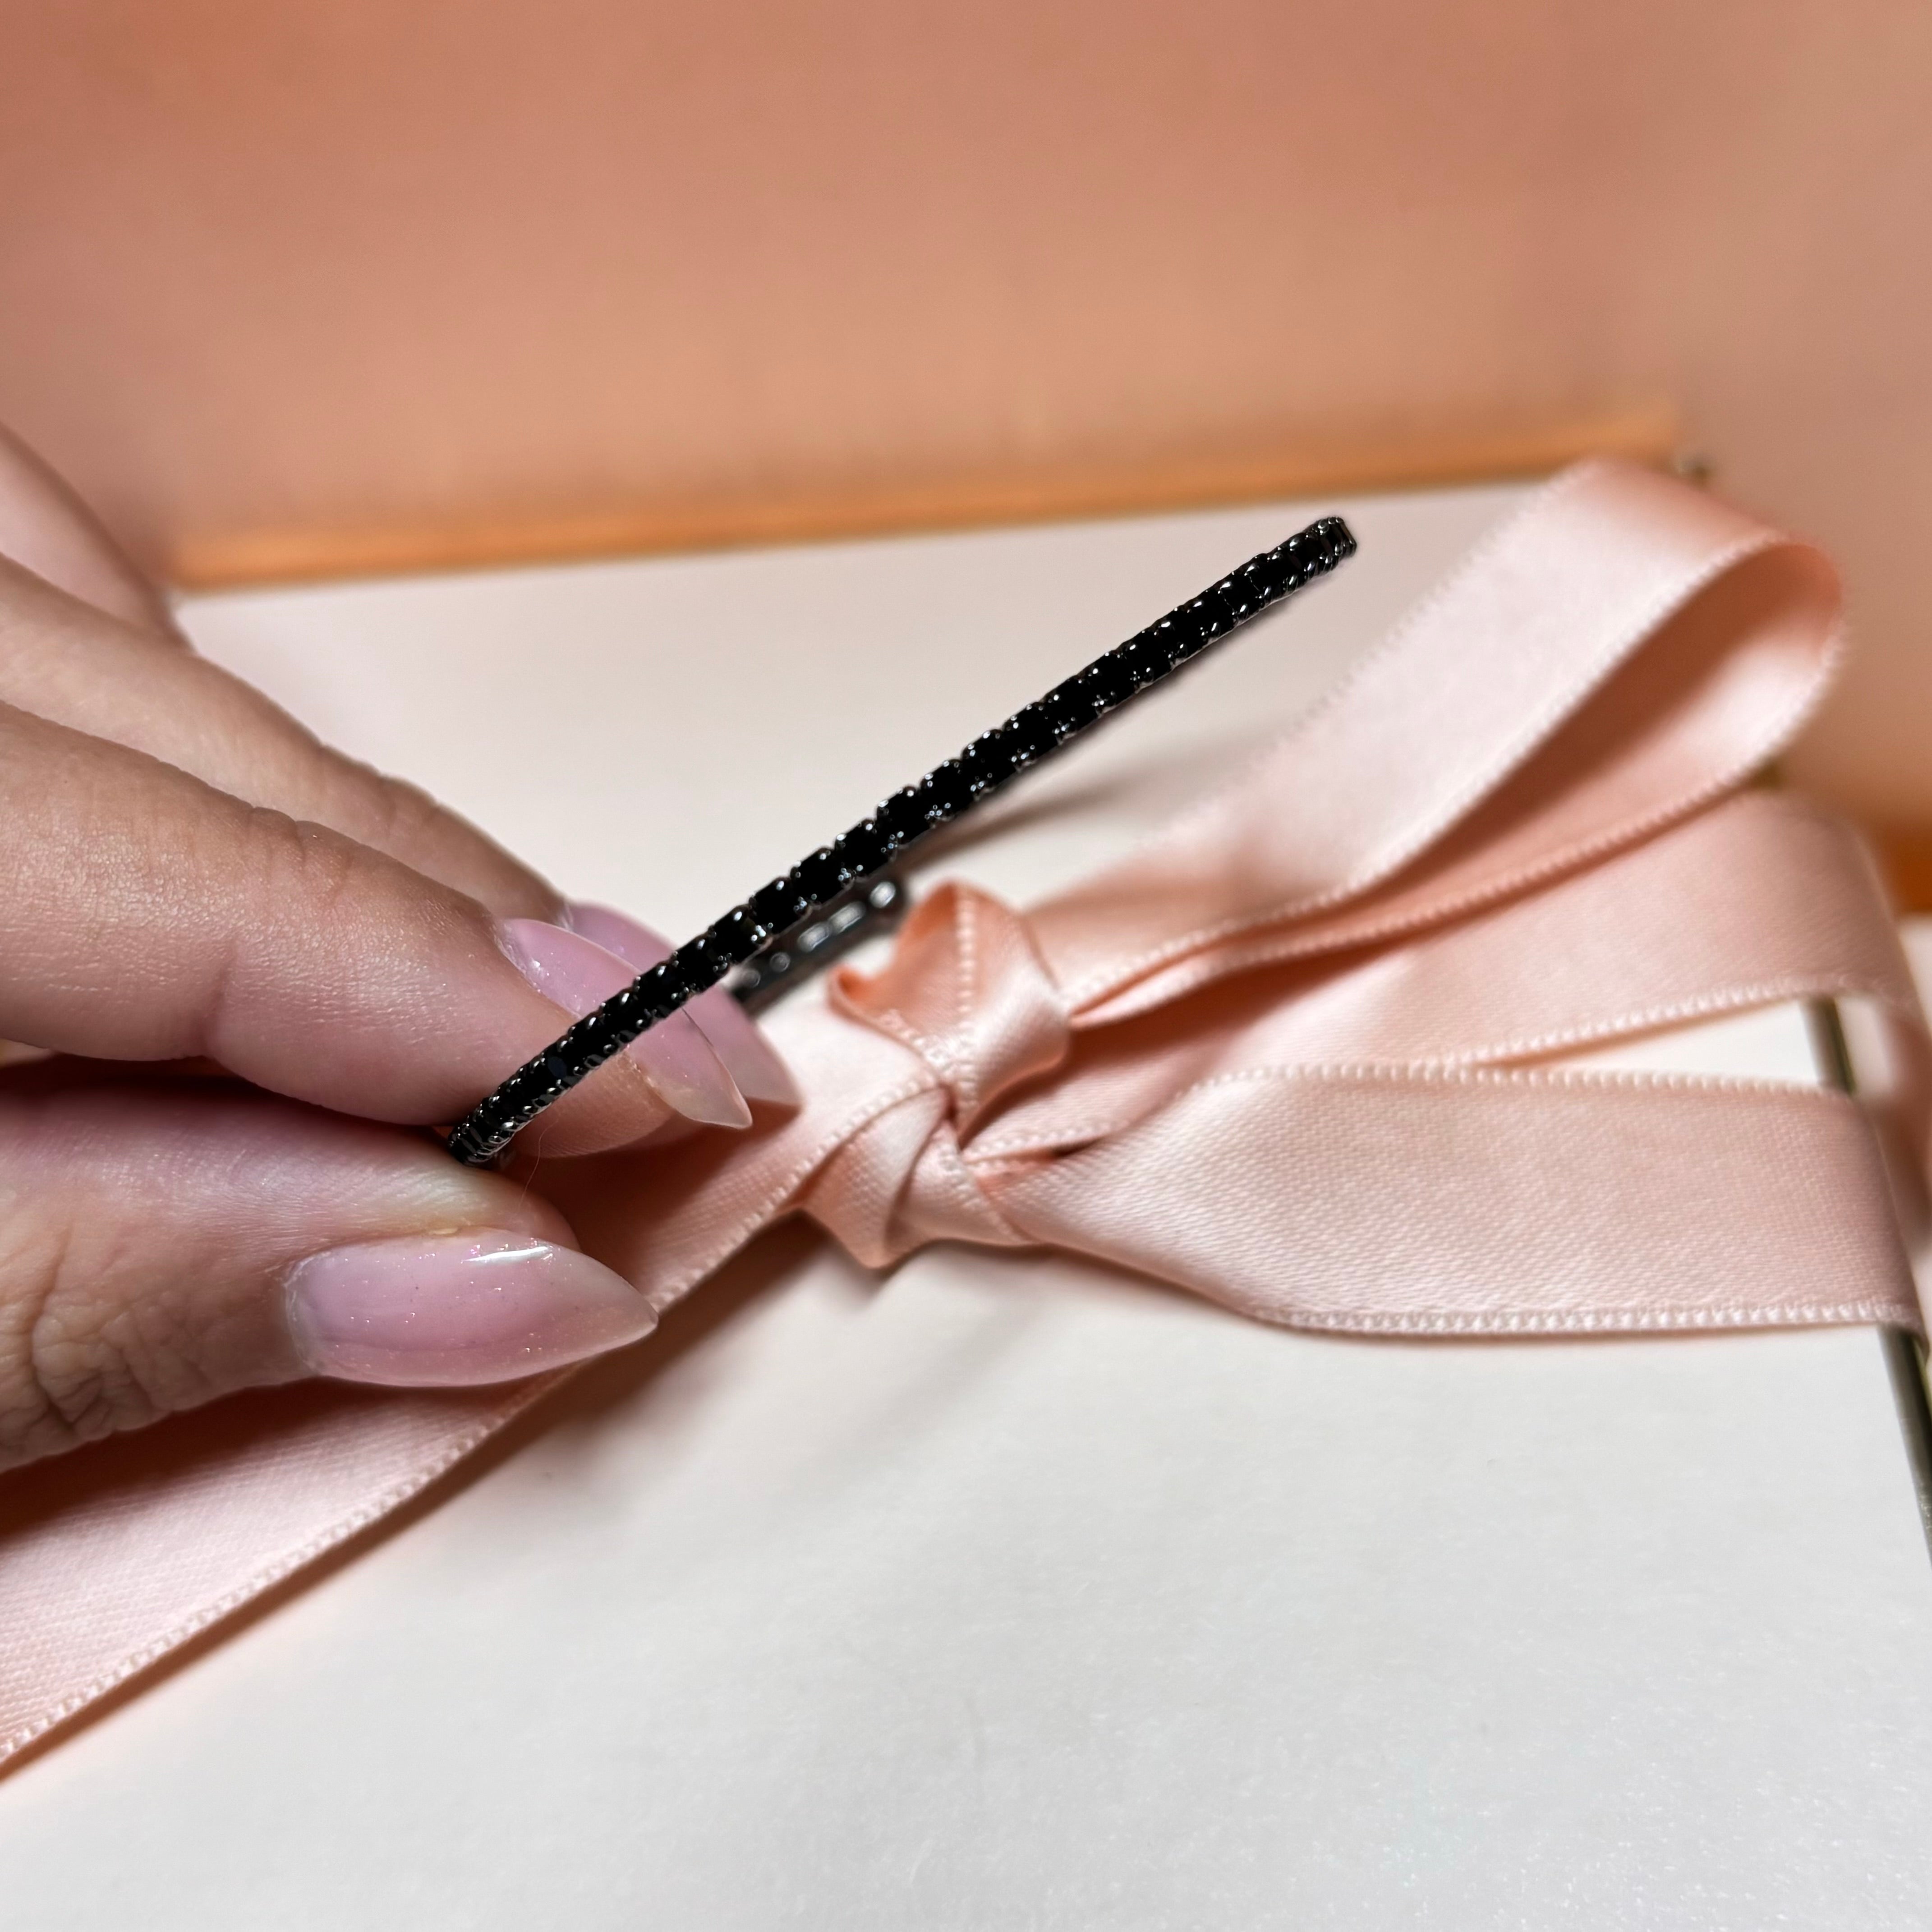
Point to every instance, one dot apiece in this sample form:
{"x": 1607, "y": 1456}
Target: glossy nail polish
{"x": 578, "y": 974}
{"x": 761, "y": 1074}
{"x": 446, "y": 1310}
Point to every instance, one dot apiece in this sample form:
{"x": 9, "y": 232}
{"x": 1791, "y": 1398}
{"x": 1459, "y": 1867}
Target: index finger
{"x": 73, "y": 664}
{"x": 145, "y": 916}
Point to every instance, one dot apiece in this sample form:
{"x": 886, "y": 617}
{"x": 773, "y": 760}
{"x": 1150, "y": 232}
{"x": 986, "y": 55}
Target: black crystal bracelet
{"x": 764, "y": 940}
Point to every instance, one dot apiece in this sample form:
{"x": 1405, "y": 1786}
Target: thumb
{"x": 162, "y": 1246}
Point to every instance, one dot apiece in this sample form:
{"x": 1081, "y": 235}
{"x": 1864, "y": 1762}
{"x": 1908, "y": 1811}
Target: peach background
{"x": 277, "y": 271}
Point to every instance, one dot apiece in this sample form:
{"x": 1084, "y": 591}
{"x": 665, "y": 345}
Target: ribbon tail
{"x": 171, "y": 1531}
{"x": 1386, "y": 1201}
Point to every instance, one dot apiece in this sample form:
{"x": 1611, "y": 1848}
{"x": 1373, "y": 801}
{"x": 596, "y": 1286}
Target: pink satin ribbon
{"x": 1294, "y": 1053}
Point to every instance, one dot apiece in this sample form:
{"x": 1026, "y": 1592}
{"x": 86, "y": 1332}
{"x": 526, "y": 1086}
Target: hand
{"x": 315, "y": 963}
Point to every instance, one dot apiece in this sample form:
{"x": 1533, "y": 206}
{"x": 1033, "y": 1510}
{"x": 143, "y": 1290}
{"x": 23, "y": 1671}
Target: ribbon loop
{"x": 1621, "y": 651}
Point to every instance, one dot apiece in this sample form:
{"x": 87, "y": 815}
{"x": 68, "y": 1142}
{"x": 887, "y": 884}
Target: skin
{"x": 263, "y": 970}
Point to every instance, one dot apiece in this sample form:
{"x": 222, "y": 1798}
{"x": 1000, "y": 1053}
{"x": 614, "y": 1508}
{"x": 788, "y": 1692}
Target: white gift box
{"x": 1006, "y": 1591}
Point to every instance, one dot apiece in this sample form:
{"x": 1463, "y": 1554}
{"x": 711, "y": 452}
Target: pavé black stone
{"x": 988, "y": 763}
{"x": 818, "y": 876}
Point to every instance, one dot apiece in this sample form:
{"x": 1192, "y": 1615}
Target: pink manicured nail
{"x": 578, "y": 974}
{"x": 761, "y": 1074}
{"x": 445, "y": 1310}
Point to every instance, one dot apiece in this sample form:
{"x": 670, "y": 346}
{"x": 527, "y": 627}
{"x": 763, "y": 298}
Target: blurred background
{"x": 331, "y": 285}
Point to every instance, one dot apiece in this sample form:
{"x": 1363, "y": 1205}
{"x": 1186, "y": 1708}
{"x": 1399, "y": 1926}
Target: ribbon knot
{"x": 967, "y": 994}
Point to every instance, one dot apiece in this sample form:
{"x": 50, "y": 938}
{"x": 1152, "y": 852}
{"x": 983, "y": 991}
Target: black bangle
{"x": 751, "y": 937}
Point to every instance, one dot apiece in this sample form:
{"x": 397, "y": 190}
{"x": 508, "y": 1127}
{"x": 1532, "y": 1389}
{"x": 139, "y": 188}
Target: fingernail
{"x": 761, "y": 1074}
{"x": 442, "y": 1311}
{"x": 578, "y": 974}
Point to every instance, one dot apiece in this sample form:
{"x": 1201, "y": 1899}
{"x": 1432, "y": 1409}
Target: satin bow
{"x": 1297, "y": 1053}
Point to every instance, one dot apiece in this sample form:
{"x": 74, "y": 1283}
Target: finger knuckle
{"x": 405, "y": 818}
{"x": 76, "y": 1363}
{"x": 304, "y": 867}
{"x": 307, "y": 882}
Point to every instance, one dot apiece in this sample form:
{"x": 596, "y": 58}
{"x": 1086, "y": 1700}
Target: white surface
{"x": 1007, "y": 1593}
